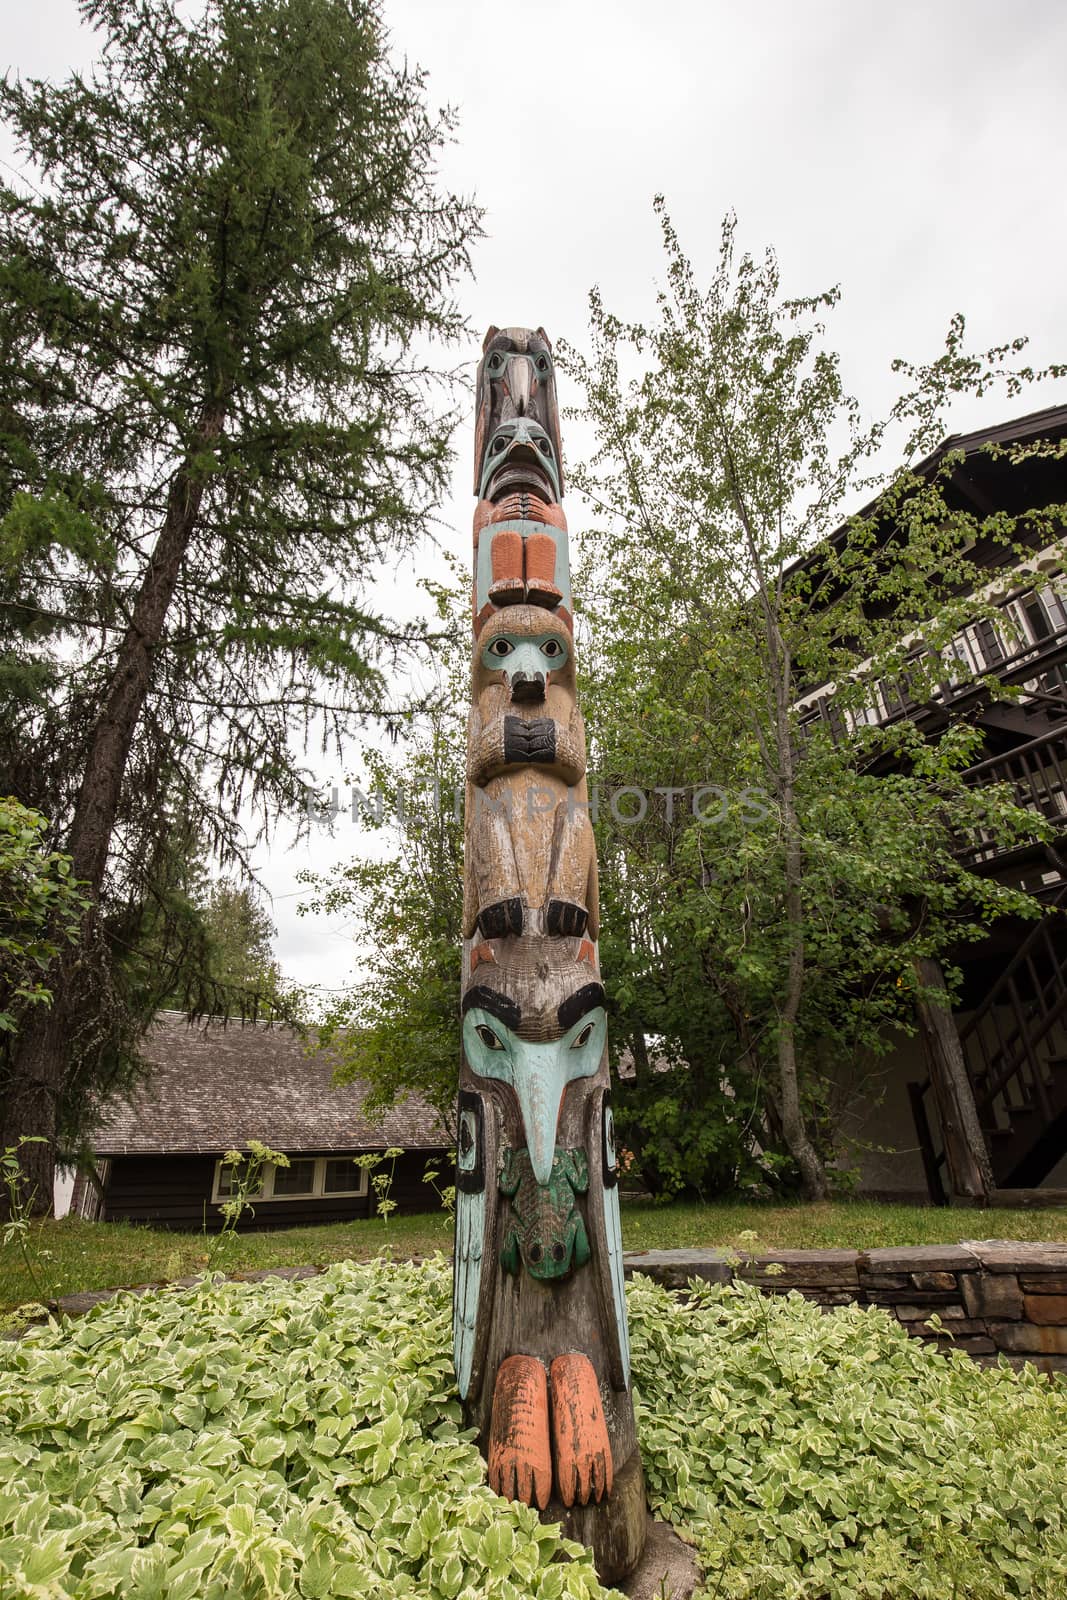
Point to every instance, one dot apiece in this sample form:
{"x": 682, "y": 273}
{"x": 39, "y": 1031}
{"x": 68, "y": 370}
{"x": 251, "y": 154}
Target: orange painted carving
{"x": 584, "y": 1468}
{"x": 483, "y": 516}
{"x": 506, "y": 556}
{"x": 520, "y": 1466}
{"x": 518, "y": 508}
{"x": 483, "y": 952}
{"x": 541, "y": 567}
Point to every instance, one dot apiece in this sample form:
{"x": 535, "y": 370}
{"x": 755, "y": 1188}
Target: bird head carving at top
{"x": 516, "y": 384}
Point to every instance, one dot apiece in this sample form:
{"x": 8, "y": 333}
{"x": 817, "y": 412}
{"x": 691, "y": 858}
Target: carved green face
{"x": 520, "y": 455}
{"x": 525, "y": 660}
{"x": 539, "y": 1072}
{"x": 546, "y": 1231}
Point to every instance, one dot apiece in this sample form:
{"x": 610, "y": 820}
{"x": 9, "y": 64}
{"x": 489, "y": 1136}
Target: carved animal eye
{"x": 542, "y": 363}
{"x": 551, "y": 647}
{"x": 544, "y": 447}
{"x": 501, "y": 647}
{"x": 488, "y": 1037}
{"x": 496, "y": 361}
{"x": 584, "y": 1036}
{"x": 498, "y": 444}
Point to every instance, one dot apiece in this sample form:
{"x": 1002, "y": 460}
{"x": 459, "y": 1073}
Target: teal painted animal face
{"x": 538, "y": 1071}
{"x": 546, "y": 1230}
{"x": 525, "y": 660}
{"x": 520, "y": 454}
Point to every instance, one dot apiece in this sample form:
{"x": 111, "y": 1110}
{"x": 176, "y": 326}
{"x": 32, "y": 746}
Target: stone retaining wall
{"x": 998, "y": 1298}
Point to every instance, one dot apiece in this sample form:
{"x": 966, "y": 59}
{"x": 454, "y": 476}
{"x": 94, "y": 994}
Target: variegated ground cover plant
{"x": 279, "y": 1439}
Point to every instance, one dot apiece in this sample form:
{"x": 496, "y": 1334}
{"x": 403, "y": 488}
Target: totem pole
{"x": 541, "y": 1347}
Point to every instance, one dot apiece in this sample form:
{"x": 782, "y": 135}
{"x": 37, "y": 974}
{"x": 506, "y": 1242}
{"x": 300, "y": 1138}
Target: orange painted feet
{"x": 541, "y": 570}
{"x": 583, "y": 1451}
{"x": 507, "y": 587}
{"x": 520, "y": 1466}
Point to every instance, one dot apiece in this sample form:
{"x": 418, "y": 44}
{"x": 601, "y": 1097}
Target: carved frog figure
{"x": 545, "y": 1229}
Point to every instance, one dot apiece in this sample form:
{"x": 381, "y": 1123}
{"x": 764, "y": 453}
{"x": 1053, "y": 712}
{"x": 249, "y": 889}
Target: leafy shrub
{"x": 813, "y": 1455}
{"x": 284, "y": 1439}
{"x": 258, "y": 1441}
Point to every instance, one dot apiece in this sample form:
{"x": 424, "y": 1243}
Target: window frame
{"x": 318, "y": 1191}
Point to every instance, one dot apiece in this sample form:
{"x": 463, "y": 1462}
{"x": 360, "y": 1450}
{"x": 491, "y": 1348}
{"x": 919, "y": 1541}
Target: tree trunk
{"x": 41, "y": 1052}
{"x": 970, "y": 1172}
{"x": 780, "y": 766}
{"x": 812, "y": 1175}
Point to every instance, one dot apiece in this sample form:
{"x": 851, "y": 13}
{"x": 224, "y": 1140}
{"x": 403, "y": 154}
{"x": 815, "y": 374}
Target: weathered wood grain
{"x": 542, "y": 1351}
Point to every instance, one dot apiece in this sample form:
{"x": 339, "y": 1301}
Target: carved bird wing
{"x": 476, "y": 1206}
{"x": 607, "y": 1235}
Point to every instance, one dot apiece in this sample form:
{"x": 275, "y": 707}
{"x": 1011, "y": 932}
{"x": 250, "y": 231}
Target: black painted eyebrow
{"x": 498, "y": 1005}
{"x": 587, "y": 998}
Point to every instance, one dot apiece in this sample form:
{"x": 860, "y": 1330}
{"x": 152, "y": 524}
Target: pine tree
{"x": 219, "y": 281}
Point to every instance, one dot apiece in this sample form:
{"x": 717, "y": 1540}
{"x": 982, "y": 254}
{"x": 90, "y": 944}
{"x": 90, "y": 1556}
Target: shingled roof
{"x": 214, "y": 1086}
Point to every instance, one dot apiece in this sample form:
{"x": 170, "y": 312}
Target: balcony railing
{"x": 1015, "y": 1049}
{"x": 1037, "y": 775}
{"x": 1026, "y": 652}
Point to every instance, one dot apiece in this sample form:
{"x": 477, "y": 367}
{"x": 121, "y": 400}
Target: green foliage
{"x": 771, "y": 944}
{"x": 381, "y": 1178}
{"x": 829, "y": 1457}
{"x": 244, "y": 1169}
{"x": 445, "y": 1192}
{"x": 237, "y": 971}
{"x": 40, "y": 907}
{"x": 185, "y": 1445}
{"x": 17, "y": 1228}
{"x": 225, "y": 269}
{"x": 260, "y": 1442}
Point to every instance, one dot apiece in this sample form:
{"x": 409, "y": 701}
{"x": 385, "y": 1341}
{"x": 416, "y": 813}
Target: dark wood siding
{"x": 175, "y": 1192}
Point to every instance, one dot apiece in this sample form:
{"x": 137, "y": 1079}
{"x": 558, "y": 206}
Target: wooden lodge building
{"x": 213, "y": 1086}
{"x": 1007, "y": 1074}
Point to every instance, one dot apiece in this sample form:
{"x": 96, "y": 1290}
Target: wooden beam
{"x": 968, "y": 1167}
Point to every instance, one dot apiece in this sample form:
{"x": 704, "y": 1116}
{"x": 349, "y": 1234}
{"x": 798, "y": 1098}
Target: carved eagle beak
{"x": 520, "y": 383}
{"x": 539, "y": 1089}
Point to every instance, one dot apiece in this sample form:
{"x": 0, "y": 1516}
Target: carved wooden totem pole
{"x": 541, "y": 1347}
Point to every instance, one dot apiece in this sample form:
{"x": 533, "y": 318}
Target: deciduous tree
{"x": 397, "y": 1027}
{"x": 766, "y": 942}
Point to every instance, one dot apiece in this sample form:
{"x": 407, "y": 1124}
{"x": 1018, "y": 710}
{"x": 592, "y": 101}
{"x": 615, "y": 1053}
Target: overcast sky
{"x": 911, "y": 152}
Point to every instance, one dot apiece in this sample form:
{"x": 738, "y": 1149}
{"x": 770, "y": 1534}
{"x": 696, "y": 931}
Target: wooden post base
{"x": 615, "y": 1529}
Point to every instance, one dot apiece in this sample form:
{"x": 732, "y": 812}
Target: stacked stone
{"x": 994, "y": 1297}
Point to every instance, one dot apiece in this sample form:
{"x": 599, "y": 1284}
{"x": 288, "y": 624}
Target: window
{"x": 226, "y": 1179}
{"x": 990, "y": 645}
{"x": 342, "y": 1176}
{"x": 297, "y": 1178}
{"x": 305, "y": 1178}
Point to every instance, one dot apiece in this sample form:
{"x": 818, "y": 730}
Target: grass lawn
{"x": 74, "y": 1255}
